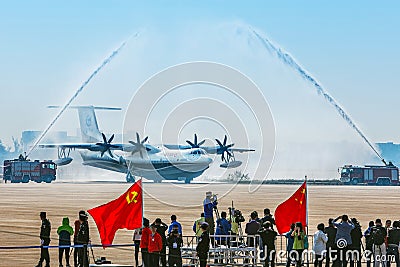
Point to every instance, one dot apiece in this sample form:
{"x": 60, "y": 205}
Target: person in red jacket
{"x": 144, "y": 243}
{"x": 155, "y": 246}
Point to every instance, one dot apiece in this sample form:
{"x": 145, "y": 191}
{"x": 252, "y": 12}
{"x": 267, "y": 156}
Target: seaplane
{"x": 138, "y": 157}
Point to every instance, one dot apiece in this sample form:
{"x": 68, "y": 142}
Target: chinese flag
{"x": 123, "y": 212}
{"x": 292, "y": 210}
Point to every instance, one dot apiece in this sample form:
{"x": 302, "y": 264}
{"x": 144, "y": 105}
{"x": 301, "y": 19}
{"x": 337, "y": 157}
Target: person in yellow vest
{"x": 197, "y": 225}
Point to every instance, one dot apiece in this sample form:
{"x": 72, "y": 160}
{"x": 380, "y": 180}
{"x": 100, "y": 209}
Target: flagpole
{"x": 305, "y": 178}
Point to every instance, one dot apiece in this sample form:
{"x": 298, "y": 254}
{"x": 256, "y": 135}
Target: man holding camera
{"x": 161, "y": 227}
{"x": 210, "y": 203}
{"x": 174, "y": 243}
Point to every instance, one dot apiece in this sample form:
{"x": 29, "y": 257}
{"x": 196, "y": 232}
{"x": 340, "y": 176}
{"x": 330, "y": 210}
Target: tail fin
{"x": 87, "y": 119}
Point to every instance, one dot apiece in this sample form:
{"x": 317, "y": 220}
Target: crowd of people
{"x": 80, "y": 237}
{"x": 340, "y": 243}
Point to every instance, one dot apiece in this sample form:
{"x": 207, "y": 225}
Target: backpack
{"x": 306, "y": 242}
{"x": 378, "y": 235}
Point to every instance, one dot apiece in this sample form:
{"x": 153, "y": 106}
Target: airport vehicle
{"x": 23, "y": 170}
{"x": 369, "y": 174}
{"x": 138, "y": 158}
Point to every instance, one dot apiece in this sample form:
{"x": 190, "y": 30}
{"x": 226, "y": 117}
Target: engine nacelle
{"x": 231, "y": 164}
{"x": 63, "y": 161}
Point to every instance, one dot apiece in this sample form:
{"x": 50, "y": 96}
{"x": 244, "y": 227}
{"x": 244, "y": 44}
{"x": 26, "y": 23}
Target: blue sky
{"x": 49, "y": 48}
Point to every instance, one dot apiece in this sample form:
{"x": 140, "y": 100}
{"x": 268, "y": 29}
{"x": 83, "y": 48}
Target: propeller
{"x": 106, "y": 145}
{"x": 139, "y": 145}
{"x": 223, "y": 148}
{"x": 195, "y": 144}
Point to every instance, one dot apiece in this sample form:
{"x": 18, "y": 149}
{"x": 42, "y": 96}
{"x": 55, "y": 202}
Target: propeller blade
{"x": 190, "y": 143}
{"x": 137, "y": 138}
{"x": 222, "y": 156}
{"x": 229, "y": 153}
{"x": 109, "y": 152}
{"x": 111, "y": 138}
{"x": 201, "y": 143}
{"x": 225, "y": 138}
{"x": 231, "y": 145}
{"x": 104, "y": 137}
{"x": 219, "y": 142}
{"x": 102, "y": 153}
{"x": 145, "y": 139}
{"x": 141, "y": 154}
{"x": 195, "y": 139}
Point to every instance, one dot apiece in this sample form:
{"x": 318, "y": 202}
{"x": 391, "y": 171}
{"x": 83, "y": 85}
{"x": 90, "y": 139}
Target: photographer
{"x": 268, "y": 218}
{"x": 82, "y": 238}
{"x": 343, "y": 239}
{"x": 268, "y": 237}
{"x": 356, "y": 236}
{"x": 209, "y": 204}
{"x": 330, "y": 231}
{"x": 174, "y": 243}
{"x": 298, "y": 243}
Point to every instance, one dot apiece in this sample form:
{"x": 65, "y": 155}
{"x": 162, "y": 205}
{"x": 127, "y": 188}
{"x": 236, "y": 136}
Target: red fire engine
{"x": 372, "y": 175}
{"x": 23, "y": 170}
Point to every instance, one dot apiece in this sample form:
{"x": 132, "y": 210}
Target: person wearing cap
{"x": 155, "y": 247}
{"x": 64, "y": 241}
{"x": 144, "y": 242}
{"x": 77, "y": 225}
{"x": 161, "y": 228}
{"x": 174, "y": 242}
{"x": 82, "y": 239}
{"x": 45, "y": 230}
{"x": 209, "y": 204}
{"x": 203, "y": 245}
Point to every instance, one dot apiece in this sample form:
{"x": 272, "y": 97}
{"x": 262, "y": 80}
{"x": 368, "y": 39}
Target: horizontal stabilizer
{"x": 94, "y": 107}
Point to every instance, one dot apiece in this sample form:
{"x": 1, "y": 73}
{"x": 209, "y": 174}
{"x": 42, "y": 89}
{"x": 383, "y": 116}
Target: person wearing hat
{"x": 82, "y": 239}
{"x": 64, "y": 241}
{"x": 209, "y": 204}
{"x": 203, "y": 245}
{"x": 45, "y": 230}
{"x": 77, "y": 225}
{"x": 155, "y": 247}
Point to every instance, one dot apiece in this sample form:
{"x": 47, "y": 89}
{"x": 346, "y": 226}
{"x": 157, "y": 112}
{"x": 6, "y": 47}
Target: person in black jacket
{"x": 174, "y": 243}
{"x": 268, "y": 217}
{"x": 393, "y": 243}
{"x": 82, "y": 238}
{"x": 355, "y": 247}
{"x": 330, "y": 231}
{"x": 369, "y": 243}
{"x": 268, "y": 237}
{"x": 203, "y": 245}
{"x": 160, "y": 229}
{"x": 45, "y": 230}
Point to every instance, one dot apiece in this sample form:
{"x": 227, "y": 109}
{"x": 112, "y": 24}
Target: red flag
{"x": 123, "y": 212}
{"x": 292, "y": 210}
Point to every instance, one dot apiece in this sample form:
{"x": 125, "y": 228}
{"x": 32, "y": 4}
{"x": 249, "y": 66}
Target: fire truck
{"x": 369, "y": 174}
{"x": 23, "y": 170}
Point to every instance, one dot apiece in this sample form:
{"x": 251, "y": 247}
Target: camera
{"x": 237, "y": 215}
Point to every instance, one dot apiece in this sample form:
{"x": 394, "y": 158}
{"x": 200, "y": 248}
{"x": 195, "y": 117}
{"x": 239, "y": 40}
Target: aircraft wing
{"x": 88, "y": 146}
{"x": 210, "y": 149}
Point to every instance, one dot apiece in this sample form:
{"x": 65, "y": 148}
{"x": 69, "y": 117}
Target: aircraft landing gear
{"x": 130, "y": 178}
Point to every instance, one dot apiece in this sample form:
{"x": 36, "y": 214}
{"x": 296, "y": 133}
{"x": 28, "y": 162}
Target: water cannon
{"x": 384, "y": 162}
